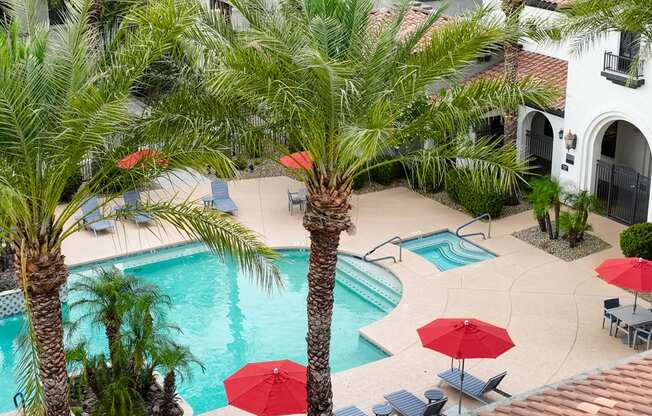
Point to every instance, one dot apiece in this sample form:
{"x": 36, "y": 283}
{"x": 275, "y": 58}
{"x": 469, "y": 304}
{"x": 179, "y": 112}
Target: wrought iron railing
{"x": 539, "y": 145}
{"x": 631, "y": 67}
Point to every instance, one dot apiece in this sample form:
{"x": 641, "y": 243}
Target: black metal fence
{"x": 539, "y": 145}
{"x": 624, "y": 193}
{"x": 632, "y": 67}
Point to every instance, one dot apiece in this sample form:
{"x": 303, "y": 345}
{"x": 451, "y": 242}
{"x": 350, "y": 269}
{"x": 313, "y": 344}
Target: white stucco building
{"x": 605, "y": 104}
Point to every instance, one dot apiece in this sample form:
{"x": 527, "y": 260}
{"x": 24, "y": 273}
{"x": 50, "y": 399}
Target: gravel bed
{"x": 560, "y": 247}
{"x": 264, "y": 169}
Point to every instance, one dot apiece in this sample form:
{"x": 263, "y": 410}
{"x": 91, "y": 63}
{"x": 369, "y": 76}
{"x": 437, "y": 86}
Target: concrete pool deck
{"x": 551, "y": 308}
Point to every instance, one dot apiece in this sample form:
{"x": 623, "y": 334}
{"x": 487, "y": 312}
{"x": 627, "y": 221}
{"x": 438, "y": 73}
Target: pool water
{"x": 446, "y": 250}
{"x": 228, "y": 321}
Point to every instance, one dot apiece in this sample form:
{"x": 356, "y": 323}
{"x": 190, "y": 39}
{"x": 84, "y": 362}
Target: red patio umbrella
{"x": 133, "y": 159}
{"x": 462, "y": 338}
{"x": 271, "y": 388}
{"x": 633, "y": 273}
{"x": 297, "y": 160}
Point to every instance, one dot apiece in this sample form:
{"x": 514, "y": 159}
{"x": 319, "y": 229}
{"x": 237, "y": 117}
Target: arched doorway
{"x": 539, "y": 140}
{"x": 622, "y": 172}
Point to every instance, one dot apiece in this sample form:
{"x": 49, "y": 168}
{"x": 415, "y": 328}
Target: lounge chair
{"x": 131, "y": 201}
{"x": 297, "y": 198}
{"x": 408, "y": 404}
{"x": 473, "y": 386}
{"x": 220, "y": 199}
{"x": 349, "y": 411}
{"x": 609, "y": 304}
{"x": 92, "y": 217}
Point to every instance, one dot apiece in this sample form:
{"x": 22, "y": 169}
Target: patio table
{"x": 626, "y": 315}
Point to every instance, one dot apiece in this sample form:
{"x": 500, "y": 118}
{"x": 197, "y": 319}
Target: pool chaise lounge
{"x": 92, "y": 217}
{"x": 131, "y": 201}
{"x": 220, "y": 198}
{"x": 473, "y": 386}
{"x": 349, "y": 411}
{"x": 407, "y": 404}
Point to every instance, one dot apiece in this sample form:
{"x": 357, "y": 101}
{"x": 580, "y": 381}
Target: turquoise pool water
{"x": 227, "y": 321}
{"x": 446, "y": 250}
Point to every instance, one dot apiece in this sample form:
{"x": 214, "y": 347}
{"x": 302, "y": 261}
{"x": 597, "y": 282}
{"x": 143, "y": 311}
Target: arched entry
{"x": 539, "y": 140}
{"x": 622, "y": 172}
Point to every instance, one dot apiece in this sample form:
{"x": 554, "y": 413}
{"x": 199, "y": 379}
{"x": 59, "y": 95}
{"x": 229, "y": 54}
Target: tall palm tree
{"x": 63, "y": 94}
{"x": 512, "y": 10}
{"x": 586, "y": 21}
{"x": 336, "y": 82}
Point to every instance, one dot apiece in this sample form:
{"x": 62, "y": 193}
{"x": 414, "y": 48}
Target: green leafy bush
{"x": 474, "y": 199}
{"x": 636, "y": 241}
{"x": 387, "y": 174}
{"x": 73, "y": 184}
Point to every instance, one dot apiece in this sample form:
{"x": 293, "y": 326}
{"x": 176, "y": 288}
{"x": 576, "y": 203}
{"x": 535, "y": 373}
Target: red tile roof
{"x": 543, "y": 68}
{"x": 624, "y": 390}
{"x": 414, "y": 17}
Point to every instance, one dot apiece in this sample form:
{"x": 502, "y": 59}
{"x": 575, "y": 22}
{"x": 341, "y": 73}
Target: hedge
{"x": 636, "y": 241}
{"x": 474, "y": 200}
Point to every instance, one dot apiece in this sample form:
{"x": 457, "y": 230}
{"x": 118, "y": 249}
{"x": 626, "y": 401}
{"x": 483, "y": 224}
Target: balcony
{"x": 623, "y": 70}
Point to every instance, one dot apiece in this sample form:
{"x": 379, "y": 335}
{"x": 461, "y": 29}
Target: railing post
{"x": 611, "y": 184}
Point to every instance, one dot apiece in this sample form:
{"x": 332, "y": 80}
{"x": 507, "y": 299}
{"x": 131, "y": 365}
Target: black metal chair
{"x": 610, "y": 304}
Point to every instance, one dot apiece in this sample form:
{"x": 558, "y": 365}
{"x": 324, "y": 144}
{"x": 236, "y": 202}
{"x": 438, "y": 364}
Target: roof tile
{"x": 414, "y": 17}
{"x": 543, "y": 68}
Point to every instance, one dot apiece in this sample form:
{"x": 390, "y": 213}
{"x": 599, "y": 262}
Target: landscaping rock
{"x": 560, "y": 248}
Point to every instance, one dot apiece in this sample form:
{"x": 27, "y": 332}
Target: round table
{"x": 434, "y": 395}
{"x": 383, "y": 409}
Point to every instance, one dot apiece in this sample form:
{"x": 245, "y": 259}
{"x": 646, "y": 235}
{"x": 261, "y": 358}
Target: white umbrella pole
{"x": 459, "y": 408}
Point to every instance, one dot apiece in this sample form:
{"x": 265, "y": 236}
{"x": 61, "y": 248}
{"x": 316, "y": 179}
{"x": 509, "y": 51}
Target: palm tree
{"x": 584, "y": 22}
{"x": 336, "y": 84}
{"x": 512, "y": 10}
{"x": 62, "y": 99}
{"x": 174, "y": 360}
{"x": 107, "y": 297}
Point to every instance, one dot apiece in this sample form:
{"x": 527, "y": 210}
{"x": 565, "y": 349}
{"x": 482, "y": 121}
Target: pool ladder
{"x": 391, "y": 240}
{"x": 476, "y": 219}
{"x": 19, "y": 402}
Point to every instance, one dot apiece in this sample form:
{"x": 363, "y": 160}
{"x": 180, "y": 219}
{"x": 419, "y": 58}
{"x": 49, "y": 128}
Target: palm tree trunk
{"x": 542, "y": 224}
{"x": 112, "y": 330}
{"x": 45, "y": 276}
{"x": 557, "y": 211}
{"x": 551, "y": 234}
{"x": 510, "y": 118}
{"x": 326, "y": 217}
{"x": 169, "y": 394}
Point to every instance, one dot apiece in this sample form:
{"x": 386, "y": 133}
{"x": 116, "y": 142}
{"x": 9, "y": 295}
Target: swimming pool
{"x": 228, "y": 321}
{"x": 446, "y": 250}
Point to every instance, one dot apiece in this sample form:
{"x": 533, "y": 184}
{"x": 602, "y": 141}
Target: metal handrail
{"x": 478, "y": 218}
{"x": 19, "y": 398}
{"x": 400, "y": 250}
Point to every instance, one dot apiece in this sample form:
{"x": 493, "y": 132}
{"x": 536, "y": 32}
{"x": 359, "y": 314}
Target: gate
{"x": 624, "y": 192}
{"x": 538, "y": 147}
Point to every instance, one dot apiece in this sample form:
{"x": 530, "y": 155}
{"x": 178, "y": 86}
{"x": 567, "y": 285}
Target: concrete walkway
{"x": 551, "y": 308}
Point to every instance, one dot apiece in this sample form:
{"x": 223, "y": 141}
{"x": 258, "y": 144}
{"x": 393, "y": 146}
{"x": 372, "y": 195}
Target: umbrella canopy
{"x": 297, "y": 160}
{"x": 633, "y": 273}
{"x": 133, "y": 159}
{"x": 269, "y": 388}
{"x": 465, "y": 338}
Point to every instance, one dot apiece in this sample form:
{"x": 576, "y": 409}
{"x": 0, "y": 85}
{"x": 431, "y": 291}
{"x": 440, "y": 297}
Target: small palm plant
{"x": 176, "y": 361}
{"x": 545, "y": 194}
{"x": 336, "y": 79}
{"x": 576, "y": 223}
{"x": 63, "y": 100}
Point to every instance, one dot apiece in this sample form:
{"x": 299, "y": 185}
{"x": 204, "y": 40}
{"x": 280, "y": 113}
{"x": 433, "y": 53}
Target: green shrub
{"x": 636, "y": 241}
{"x": 240, "y": 163}
{"x": 360, "y": 181}
{"x": 387, "y": 174}
{"x": 475, "y": 201}
{"x": 73, "y": 184}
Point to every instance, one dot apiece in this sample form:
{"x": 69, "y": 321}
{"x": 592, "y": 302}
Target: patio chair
{"x": 132, "y": 201}
{"x": 92, "y": 217}
{"x": 473, "y": 386}
{"x": 297, "y": 198}
{"x": 220, "y": 199}
{"x": 407, "y": 404}
{"x": 644, "y": 335}
{"x": 349, "y": 411}
{"x": 610, "y": 304}
{"x": 622, "y": 326}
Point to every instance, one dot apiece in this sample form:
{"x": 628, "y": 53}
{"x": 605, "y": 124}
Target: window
{"x": 609, "y": 140}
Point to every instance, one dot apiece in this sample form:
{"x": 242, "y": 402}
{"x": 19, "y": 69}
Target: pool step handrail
{"x": 391, "y": 240}
{"x": 19, "y": 401}
{"x": 476, "y": 219}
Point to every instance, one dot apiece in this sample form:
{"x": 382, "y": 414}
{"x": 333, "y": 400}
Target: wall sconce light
{"x": 560, "y": 134}
{"x": 571, "y": 140}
